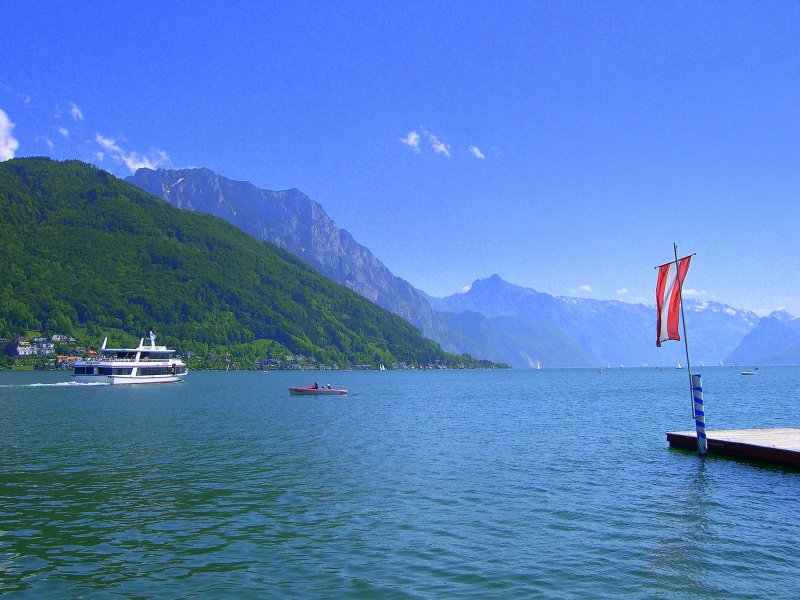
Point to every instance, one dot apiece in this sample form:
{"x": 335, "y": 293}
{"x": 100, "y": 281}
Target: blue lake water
{"x": 511, "y": 484}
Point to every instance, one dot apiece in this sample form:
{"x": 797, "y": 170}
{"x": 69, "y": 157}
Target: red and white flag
{"x": 670, "y": 280}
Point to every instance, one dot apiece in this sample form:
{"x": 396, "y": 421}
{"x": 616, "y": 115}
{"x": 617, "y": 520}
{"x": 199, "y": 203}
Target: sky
{"x": 562, "y": 145}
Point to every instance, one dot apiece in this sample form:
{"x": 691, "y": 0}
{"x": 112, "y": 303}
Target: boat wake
{"x": 59, "y": 384}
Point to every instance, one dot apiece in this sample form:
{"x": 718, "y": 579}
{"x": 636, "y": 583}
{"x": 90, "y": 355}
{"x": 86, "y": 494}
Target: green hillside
{"x": 84, "y": 253}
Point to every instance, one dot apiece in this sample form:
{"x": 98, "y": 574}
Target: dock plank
{"x": 779, "y": 445}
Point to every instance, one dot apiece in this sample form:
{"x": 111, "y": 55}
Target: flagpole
{"x": 683, "y": 321}
{"x": 695, "y": 384}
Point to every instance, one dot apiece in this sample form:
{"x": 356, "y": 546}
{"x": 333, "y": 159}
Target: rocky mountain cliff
{"x": 295, "y": 222}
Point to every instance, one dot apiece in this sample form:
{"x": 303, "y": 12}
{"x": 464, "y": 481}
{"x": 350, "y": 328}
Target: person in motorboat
{"x": 315, "y": 386}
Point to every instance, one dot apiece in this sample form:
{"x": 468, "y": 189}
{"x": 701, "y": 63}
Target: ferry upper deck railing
{"x": 127, "y": 360}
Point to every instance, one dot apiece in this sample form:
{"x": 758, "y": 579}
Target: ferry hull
{"x": 127, "y": 380}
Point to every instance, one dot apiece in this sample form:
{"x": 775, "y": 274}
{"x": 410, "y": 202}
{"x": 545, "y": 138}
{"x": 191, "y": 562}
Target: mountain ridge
{"x": 112, "y": 258}
{"x": 501, "y": 321}
{"x": 607, "y": 332}
{"x": 297, "y": 223}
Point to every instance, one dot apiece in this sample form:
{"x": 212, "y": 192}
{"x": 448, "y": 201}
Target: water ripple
{"x": 455, "y": 485}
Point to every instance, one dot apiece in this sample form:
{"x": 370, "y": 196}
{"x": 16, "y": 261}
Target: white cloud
{"x": 75, "y": 111}
{"x": 152, "y": 159}
{"x": 692, "y": 293}
{"x": 8, "y": 143}
{"x": 108, "y": 143}
{"x": 412, "y": 141}
{"x": 586, "y": 288}
{"x": 622, "y": 291}
{"x": 63, "y": 131}
{"x": 100, "y": 156}
{"x": 439, "y": 146}
{"x": 415, "y": 138}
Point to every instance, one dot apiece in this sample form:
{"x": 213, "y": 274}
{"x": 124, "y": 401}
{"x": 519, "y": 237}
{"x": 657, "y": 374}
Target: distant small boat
{"x": 538, "y": 365}
{"x": 679, "y": 365}
{"x": 381, "y": 367}
{"x": 317, "y": 391}
{"x": 753, "y": 371}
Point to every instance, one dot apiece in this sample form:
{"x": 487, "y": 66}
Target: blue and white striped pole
{"x": 699, "y": 414}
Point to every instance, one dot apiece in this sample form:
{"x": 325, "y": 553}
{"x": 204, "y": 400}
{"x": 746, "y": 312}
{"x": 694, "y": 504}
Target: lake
{"x": 457, "y": 484}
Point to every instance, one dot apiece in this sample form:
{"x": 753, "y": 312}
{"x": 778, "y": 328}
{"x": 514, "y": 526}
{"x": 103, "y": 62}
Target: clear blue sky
{"x": 564, "y": 145}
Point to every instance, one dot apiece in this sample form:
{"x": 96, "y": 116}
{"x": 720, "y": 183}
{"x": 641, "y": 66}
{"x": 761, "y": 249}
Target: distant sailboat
{"x": 381, "y": 367}
{"x": 679, "y": 365}
{"x": 538, "y": 365}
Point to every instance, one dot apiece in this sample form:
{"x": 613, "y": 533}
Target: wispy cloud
{"x": 11, "y": 90}
{"x": 75, "y": 111}
{"x": 622, "y": 291}
{"x": 476, "y": 152}
{"x": 63, "y": 131}
{"x": 46, "y": 141}
{"x": 152, "y": 159}
{"x": 8, "y": 143}
{"x": 412, "y": 141}
{"x": 418, "y": 139}
{"x": 439, "y": 146}
{"x": 586, "y": 288}
{"x": 692, "y": 293}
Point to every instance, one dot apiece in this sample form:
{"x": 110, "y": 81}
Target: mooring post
{"x": 699, "y": 414}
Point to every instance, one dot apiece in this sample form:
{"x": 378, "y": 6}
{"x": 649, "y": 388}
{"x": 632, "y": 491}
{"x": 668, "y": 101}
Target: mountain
{"x": 495, "y": 319}
{"x": 525, "y": 326}
{"x": 775, "y": 340}
{"x": 295, "y": 222}
{"x": 83, "y": 250}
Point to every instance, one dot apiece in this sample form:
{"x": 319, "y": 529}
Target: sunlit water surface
{"x": 512, "y": 484}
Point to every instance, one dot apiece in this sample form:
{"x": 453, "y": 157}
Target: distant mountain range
{"x": 528, "y": 327}
{"x": 494, "y": 320}
{"x": 775, "y": 340}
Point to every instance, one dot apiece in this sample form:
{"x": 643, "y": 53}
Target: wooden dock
{"x": 780, "y": 446}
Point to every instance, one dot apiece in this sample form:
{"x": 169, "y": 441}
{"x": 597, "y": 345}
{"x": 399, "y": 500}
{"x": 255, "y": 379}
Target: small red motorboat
{"x": 316, "y": 391}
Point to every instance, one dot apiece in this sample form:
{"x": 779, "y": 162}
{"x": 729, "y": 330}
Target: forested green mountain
{"x": 84, "y": 251}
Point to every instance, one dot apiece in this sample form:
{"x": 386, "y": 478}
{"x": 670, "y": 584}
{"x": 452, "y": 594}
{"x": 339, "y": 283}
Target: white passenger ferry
{"x": 145, "y": 364}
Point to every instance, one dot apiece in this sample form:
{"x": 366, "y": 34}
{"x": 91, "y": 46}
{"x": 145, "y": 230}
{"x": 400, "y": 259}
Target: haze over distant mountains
{"x": 565, "y": 331}
{"x": 494, "y": 320}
